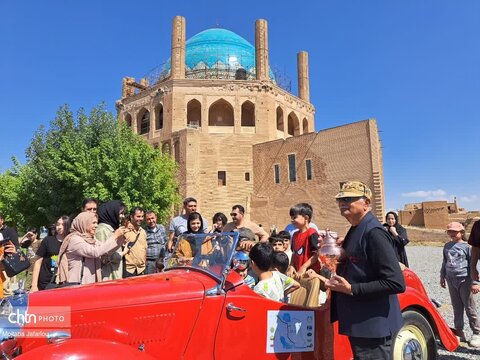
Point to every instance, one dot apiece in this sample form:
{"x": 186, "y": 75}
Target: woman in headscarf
{"x": 399, "y": 235}
{"x": 110, "y": 215}
{"x": 79, "y": 256}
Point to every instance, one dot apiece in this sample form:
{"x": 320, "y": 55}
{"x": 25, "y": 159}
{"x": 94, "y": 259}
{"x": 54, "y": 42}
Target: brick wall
{"x": 348, "y": 152}
{"x": 435, "y": 214}
{"x": 412, "y": 217}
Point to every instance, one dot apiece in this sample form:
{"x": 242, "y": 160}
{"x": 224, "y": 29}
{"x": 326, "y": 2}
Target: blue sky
{"x": 414, "y": 65}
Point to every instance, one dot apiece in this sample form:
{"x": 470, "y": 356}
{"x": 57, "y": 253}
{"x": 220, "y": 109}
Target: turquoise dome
{"x": 217, "y": 53}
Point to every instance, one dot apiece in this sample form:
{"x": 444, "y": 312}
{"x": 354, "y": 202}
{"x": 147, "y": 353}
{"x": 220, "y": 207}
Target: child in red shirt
{"x": 305, "y": 240}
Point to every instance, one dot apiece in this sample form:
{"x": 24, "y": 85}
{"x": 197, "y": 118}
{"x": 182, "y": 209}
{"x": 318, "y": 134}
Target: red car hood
{"x": 169, "y": 286}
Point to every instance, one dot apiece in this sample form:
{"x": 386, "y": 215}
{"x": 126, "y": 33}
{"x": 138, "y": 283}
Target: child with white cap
{"x": 456, "y": 272}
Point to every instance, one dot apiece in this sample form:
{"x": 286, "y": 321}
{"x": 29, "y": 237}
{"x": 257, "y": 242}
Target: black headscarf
{"x": 399, "y": 241}
{"x": 400, "y": 229}
{"x": 109, "y": 213}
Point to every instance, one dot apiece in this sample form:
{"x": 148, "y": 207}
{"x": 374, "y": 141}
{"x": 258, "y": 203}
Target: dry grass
{"x": 426, "y": 237}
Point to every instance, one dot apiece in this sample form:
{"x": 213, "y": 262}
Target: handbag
{"x": 53, "y": 281}
{"x": 15, "y": 263}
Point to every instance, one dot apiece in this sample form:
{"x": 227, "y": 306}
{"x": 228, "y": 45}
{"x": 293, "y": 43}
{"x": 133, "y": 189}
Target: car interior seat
{"x": 299, "y": 296}
{"x": 307, "y": 294}
{"x": 313, "y": 291}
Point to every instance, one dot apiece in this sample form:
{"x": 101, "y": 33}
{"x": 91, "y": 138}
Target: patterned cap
{"x": 354, "y": 189}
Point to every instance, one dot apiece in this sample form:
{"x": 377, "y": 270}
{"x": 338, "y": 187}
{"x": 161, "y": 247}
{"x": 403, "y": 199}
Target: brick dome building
{"x": 216, "y": 107}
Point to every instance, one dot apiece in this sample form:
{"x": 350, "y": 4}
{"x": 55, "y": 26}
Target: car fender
{"x": 85, "y": 349}
{"x": 413, "y": 299}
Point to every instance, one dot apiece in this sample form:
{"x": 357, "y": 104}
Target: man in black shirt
{"x": 364, "y": 299}
{"x": 8, "y": 232}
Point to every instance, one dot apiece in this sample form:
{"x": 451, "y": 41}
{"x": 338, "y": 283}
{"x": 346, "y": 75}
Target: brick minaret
{"x": 261, "y": 49}
{"x": 178, "y": 47}
{"x": 303, "y": 79}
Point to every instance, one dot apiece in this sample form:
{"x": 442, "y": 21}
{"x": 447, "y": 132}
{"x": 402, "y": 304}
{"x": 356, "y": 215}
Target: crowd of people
{"x": 105, "y": 242}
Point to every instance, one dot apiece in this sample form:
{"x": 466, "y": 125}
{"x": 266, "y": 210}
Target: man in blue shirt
{"x": 156, "y": 241}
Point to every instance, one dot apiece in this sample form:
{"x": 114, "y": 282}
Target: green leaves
{"x": 86, "y": 156}
{"x": 9, "y": 188}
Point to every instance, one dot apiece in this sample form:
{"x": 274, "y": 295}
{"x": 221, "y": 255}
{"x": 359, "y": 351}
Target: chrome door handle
{"x": 57, "y": 336}
{"x": 231, "y": 307}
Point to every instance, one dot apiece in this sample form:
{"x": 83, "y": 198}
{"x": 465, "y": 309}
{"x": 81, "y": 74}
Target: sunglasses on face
{"x": 349, "y": 199}
{"x": 233, "y": 214}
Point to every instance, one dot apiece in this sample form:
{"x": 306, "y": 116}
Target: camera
{"x": 4, "y": 241}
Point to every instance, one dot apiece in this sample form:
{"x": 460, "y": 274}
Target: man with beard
{"x": 239, "y": 221}
{"x": 135, "y": 251}
{"x": 156, "y": 241}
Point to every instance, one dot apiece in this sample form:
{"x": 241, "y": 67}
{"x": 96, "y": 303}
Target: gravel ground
{"x": 426, "y": 262}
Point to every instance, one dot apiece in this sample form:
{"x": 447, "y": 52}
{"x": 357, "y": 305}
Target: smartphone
{"x": 125, "y": 221}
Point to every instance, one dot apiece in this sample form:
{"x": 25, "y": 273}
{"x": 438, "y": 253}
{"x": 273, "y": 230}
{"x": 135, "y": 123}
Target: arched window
{"x": 293, "y": 124}
{"x": 194, "y": 114}
{"x": 128, "y": 120}
{"x": 159, "y": 117}
{"x": 248, "y": 114}
{"x": 280, "y": 126}
{"x": 143, "y": 121}
{"x": 305, "y": 126}
{"x": 220, "y": 113}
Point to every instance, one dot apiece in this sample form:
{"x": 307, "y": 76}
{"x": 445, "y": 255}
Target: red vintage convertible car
{"x": 198, "y": 308}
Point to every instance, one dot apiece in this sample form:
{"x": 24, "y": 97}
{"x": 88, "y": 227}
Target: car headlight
{"x": 6, "y": 308}
{"x": 9, "y": 326}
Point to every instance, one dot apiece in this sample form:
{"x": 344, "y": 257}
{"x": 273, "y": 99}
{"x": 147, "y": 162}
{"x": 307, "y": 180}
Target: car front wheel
{"x": 415, "y": 340}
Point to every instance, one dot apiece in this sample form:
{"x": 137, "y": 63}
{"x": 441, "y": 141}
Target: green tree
{"x": 10, "y": 183}
{"x": 92, "y": 156}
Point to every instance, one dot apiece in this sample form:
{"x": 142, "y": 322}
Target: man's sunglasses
{"x": 349, "y": 199}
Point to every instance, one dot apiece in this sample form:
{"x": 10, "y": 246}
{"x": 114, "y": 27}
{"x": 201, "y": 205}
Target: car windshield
{"x": 210, "y": 252}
